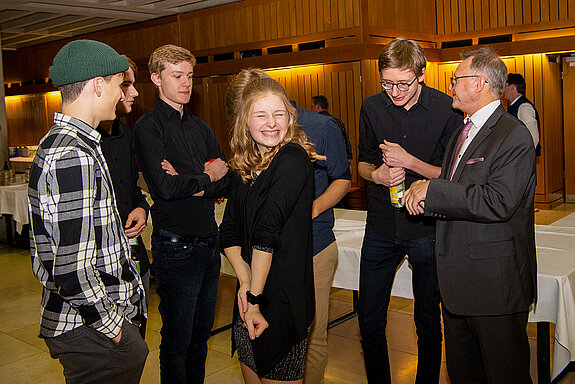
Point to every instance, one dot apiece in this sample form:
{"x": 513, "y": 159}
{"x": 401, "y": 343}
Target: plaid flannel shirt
{"x": 79, "y": 250}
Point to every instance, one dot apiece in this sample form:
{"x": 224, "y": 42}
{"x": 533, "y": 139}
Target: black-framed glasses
{"x": 455, "y": 78}
{"x": 388, "y": 85}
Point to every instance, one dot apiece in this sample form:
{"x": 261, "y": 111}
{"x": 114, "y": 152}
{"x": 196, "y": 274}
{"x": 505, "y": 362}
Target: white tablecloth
{"x": 14, "y": 201}
{"x": 556, "y": 276}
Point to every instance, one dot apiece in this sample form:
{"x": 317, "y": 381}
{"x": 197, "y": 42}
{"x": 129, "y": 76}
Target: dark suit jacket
{"x": 485, "y": 245}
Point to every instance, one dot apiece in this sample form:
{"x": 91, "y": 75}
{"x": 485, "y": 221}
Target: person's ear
{"x": 156, "y": 79}
{"x": 97, "y": 85}
{"x": 422, "y": 76}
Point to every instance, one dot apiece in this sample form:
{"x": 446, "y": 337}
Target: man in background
{"x": 92, "y": 297}
{"x": 522, "y": 108}
{"x": 332, "y": 181}
{"x": 320, "y": 105}
{"x": 118, "y": 151}
{"x": 185, "y": 242}
{"x": 403, "y": 133}
{"x": 483, "y": 200}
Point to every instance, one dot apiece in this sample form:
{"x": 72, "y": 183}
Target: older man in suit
{"x": 485, "y": 247}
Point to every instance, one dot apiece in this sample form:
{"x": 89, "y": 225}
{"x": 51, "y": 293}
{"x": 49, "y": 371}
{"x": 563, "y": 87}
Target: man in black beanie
{"x": 92, "y": 293}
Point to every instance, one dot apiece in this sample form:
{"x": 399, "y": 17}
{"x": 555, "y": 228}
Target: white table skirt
{"x": 555, "y": 276}
{"x": 14, "y": 201}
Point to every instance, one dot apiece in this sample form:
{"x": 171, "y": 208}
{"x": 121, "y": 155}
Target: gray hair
{"x": 485, "y": 62}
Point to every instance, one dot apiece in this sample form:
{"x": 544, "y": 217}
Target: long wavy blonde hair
{"x": 246, "y": 159}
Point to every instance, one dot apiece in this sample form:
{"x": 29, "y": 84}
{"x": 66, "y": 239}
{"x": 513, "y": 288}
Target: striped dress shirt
{"x": 79, "y": 250}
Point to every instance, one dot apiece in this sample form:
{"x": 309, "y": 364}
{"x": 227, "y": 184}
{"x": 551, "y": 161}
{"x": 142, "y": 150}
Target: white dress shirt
{"x": 478, "y": 118}
{"x": 526, "y": 113}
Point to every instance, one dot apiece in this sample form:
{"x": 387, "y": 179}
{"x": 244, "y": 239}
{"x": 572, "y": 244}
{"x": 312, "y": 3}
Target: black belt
{"x": 182, "y": 239}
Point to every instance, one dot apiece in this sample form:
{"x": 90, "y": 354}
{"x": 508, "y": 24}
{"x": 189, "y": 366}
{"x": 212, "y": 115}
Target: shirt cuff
{"x": 204, "y": 181}
{"x": 112, "y": 326}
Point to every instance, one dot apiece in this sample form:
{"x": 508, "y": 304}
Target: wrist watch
{"x": 256, "y": 300}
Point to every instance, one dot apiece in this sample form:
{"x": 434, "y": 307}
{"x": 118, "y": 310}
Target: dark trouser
{"x": 487, "y": 349}
{"x": 188, "y": 276}
{"x": 146, "y": 284}
{"x": 380, "y": 257}
{"x": 89, "y": 356}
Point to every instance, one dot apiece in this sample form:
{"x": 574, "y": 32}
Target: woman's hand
{"x": 243, "y": 299}
{"x": 254, "y": 321}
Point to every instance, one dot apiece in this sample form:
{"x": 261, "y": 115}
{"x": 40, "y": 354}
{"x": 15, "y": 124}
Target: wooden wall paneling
{"x": 553, "y": 130}
{"x": 493, "y": 14}
{"x": 319, "y": 18}
{"x": 26, "y": 119}
{"x": 536, "y": 11}
{"x": 327, "y": 22}
{"x": 518, "y": 12}
{"x": 545, "y": 16}
{"x": 454, "y": 16}
{"x": 462, "y": 16}
{"x": 293, "y": 18}
{"x": 354, "y": 130}
{"x": 527, "y": 11}
{"x": 501, "y": 8}
{"x": 571, "y": 6}
{"x": 510, "y": 18}
{"x": 275, "y": 19}
{"x": 568, "y": 131}
{"x": 312, "y": 16}
{"x": 53, "y": 103}
{"x": 440, "y": 17}
{"x": 355, "y": 6}
{"x": 485, "y": 14}
{"x": 563, "y": 9}
{"x": 534, "y": 80}
{"x": 469, "y": 15}
{"x": 554, "y": 10}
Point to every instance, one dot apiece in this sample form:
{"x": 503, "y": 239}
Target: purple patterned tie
{"x": 460, "y": 141}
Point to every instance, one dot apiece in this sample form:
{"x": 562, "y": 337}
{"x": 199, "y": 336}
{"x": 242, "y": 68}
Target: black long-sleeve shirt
{"x": 119, "y": 154}
{"x": 187, "y": 143}
{"x": 424, "y": 131}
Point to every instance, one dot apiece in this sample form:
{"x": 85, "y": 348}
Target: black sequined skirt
{"x": 291, "y": 366}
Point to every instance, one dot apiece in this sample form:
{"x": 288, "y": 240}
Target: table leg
{"x": 9, "y": 236}
{"x": 543, "y": 360}
{"x": 347, "y": 316}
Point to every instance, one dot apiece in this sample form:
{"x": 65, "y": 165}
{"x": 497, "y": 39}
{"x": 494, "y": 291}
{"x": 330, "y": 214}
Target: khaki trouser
{"x": 324, "y": 264}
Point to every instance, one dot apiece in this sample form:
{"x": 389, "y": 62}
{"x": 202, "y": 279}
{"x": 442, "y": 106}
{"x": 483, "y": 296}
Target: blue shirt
{"x": 323, "y": 132}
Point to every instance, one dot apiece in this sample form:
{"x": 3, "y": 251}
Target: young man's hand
{"x": 216, "y": 169}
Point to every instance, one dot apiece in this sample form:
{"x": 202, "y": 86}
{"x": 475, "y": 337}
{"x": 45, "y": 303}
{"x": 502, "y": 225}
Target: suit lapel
{"x": 477, "y": 140}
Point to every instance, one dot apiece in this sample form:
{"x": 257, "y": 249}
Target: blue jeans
{"x": 380, "y": 258}
{"x": 188, "y": 276}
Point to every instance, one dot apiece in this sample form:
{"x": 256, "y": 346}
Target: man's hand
{"x": 136, "y": 222}
{"x": 395, "y": 156}
{"x": 414, "y": 198}
{"x": 216, "y": 169}
{"x": 387, "y": 176}
{"x": 166, "y": 166}
{"x": 117, "y": 338}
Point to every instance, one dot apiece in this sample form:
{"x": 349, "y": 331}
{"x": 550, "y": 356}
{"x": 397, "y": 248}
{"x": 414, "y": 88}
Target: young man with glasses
{"x": 403, "y": 133}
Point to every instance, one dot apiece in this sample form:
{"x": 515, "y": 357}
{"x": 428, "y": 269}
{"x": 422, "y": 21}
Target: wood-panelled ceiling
{"x": 25, "y": 23}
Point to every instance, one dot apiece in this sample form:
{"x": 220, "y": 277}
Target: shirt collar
{"x": 518, "y": 97}
{"x": 423, "y": 99}
{"x": 170, "y": 112}
{"x": 480, "y": 117}
{"x": 65, "y": 120}
{"x": 116, "y": 131}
